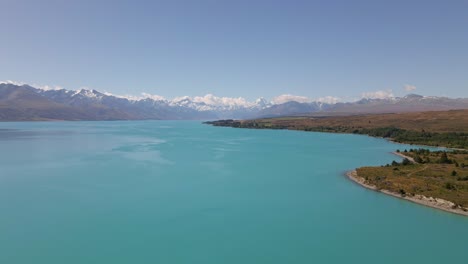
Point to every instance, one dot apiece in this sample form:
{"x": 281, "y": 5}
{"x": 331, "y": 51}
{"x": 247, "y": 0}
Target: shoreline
{"x": 435, "y": 203}
{"x": 347, "y": 133}
{"x": 404, "y": 156}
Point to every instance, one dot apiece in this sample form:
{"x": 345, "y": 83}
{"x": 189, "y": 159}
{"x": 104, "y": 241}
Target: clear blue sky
{"x": 238, "y": 48}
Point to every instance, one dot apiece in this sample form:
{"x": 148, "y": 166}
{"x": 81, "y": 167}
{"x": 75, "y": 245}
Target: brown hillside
{"x": 432, "y": 121}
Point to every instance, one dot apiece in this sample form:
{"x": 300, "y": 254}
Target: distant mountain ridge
{"x": 408, "y": 103}
{"x": 24, "y": 102}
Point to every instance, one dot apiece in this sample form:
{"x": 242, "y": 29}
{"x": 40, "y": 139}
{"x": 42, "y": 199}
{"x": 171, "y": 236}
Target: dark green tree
{"x": 418, "y": 159}
{"x": 406, "y": 162}
{"x": 443, "y": 158}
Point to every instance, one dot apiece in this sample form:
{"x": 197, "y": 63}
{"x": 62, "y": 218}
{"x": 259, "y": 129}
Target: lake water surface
{"x": 183, "y": 192}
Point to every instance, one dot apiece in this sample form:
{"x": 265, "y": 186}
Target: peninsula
{"x": 437, "y": 179}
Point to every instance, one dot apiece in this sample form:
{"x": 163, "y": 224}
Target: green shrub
{"x": 449, "y": 186}
{"x": 406, "y": 162}
{"x": 418, "y": 159}
{"x": 443, "y": 158}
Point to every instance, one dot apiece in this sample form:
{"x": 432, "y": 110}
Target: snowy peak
{"x": 262, "y": 103}
{"x": 91, "y": 94}
{"x": 211, "y": 102}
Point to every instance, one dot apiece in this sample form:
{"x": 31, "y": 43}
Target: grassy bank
{"x": 438, "y": 128}
{"x": 433, "y": 174}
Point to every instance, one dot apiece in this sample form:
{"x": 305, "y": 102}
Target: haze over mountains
{"x": 24, "y": 103}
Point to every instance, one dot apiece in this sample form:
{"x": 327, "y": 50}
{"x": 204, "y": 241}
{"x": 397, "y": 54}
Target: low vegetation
{"x": 438, "y": 128}
{"x": 433, "y": 174}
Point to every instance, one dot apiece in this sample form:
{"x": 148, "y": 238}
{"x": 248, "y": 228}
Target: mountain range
{"x": 27, "y": 103}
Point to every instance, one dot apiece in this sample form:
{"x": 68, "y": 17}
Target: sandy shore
{"x": 437, "y": 203}
{"x": 404, "y": 156}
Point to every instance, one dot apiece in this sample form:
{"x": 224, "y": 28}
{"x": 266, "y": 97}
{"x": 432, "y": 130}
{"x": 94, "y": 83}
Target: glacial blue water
{"x": 183, "y": 192}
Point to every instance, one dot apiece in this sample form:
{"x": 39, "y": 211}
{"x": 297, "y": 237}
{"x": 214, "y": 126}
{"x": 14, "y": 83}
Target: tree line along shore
{"x": 433, "y": 178}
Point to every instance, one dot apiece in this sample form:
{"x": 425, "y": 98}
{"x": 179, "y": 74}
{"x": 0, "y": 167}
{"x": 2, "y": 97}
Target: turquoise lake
{"x": 184, "y": 192}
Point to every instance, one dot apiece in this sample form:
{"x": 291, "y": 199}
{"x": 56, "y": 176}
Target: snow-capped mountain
{"x": 147, "y": 106}
{"x": 24, "y": 102}
{"x": 210, "y": 104}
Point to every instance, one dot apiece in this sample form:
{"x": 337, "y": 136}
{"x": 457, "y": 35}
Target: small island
{"x": 437, "y": 179}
